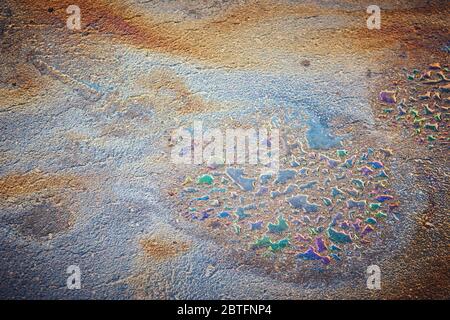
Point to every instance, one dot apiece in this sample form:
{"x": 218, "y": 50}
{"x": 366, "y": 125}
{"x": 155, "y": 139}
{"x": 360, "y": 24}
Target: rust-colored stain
{"x": 21, "y": 184}
{"x": 171, "y": 91}
{"x": 237, "y": 37}
{"x": 241, "y": 37}
{"x": 161, "y": 249}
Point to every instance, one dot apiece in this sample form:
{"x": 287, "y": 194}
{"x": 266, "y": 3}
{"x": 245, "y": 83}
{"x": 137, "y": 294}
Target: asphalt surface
{"x": 86, "y": 176}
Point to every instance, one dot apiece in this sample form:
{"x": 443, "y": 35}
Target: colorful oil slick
{"x": 320, "y": 204}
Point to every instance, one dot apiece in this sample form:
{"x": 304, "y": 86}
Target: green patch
{"x": 338, "y": 237}
{"x": 279, "y": 227}
{"x": 205, "y": 179}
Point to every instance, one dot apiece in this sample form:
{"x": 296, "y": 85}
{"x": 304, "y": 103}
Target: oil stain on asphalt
{"x": 86, "y": 177}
